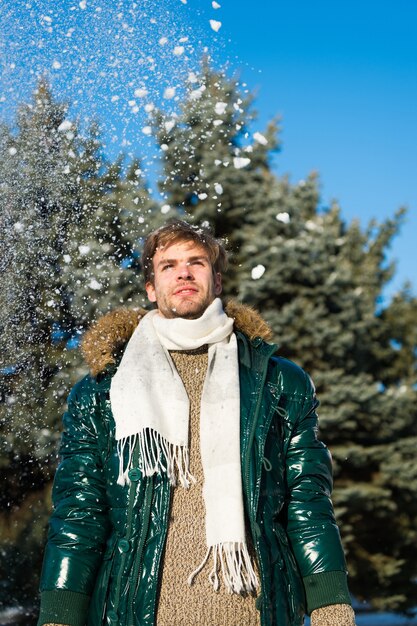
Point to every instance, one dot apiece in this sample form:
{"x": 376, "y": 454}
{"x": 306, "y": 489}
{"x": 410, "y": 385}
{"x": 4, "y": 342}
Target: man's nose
{"x": 184, "y": 272}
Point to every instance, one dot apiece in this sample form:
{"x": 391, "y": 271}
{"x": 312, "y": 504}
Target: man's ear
{"x": 217, "y": 283}
{"x": 150, "y": 290}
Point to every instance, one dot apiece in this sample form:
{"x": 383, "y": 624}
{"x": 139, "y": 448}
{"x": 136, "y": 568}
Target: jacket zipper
{"x": 255, "y": 419}
{"x": 253, "y": 523}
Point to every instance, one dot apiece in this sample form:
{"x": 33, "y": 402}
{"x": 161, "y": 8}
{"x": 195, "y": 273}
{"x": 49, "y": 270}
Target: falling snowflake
{"x": 240, "y": 162}
{"x": 169, "y": 93}
{"x": 257, "y": 272}
{"x": 197, "y": 93}
{"x": 260, "y": 138}
{"x": 283, "y": 217}
{"x": 220, "y": 107}
{"x": 215, "y": 25}
{"x": 94, "y": 284}
{"x": 65, "y": 125}
{"x": 140, "y": 92}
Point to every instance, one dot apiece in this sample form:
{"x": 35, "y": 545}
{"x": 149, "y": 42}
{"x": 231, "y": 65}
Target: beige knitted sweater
{"x": 186, "y": 541}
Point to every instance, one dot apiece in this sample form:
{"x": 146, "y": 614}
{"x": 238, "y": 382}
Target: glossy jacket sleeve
{"x": 78, "y": 525}
{"x": 312, "y": 529}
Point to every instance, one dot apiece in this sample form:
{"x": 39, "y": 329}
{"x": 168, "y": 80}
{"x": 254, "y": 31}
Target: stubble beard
{"x": 188, "y": 310}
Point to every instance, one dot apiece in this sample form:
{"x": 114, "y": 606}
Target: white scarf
{"x": 150, "y": 406}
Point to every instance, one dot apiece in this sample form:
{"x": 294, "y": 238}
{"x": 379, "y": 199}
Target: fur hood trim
{"x": 104, "y": 342}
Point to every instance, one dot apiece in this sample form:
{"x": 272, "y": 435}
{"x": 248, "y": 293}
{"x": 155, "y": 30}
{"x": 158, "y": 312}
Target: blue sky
{"x": 342, "y": 77}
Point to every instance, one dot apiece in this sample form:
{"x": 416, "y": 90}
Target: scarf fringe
{"x": 235, "y": 564}
{"x": 157, "y": 455}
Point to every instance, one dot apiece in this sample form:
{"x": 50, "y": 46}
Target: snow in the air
{"x": 215, "y": 25}
{"x": 94, "y": 284}
{"x": 197, "y": 93}
{"x": 169, "y": 93}
{"x": 140, "y": 92}
{"x": 240, "y": 162}
{"x": 257, "y": 272}
{"x": 169, "y": 125}
{"x": 65, "y": 125}
{"x": 220, "y": 107}
{"x": 283, "y": 217}
{"x": 260, "y": 138}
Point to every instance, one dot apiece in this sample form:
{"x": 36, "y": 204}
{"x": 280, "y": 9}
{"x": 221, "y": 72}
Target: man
{"x": 192, "y": 489}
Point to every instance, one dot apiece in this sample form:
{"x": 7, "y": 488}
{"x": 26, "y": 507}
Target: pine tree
{"x": 40, "y": 202}
{"x": 43, "y": 166}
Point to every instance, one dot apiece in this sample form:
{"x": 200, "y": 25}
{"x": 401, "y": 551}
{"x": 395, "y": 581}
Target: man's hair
{"x": 177, "y": 231}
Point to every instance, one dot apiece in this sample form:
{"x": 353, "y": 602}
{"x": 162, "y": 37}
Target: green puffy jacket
{"x": 105, "y": 542}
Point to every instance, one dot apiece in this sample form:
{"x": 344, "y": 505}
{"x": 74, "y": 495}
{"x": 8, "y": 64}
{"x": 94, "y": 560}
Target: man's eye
{"x": 166, "y": 267}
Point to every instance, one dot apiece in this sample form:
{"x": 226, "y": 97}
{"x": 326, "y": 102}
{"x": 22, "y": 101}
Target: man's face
{"x": 184, "y": 283}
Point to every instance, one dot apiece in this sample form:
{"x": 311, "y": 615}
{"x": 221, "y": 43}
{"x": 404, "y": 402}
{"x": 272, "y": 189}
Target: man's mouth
{"x": 184, "y": 291}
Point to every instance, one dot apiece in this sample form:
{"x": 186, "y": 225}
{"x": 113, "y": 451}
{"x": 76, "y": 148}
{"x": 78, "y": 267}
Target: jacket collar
{"x": 105, "y": 341}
